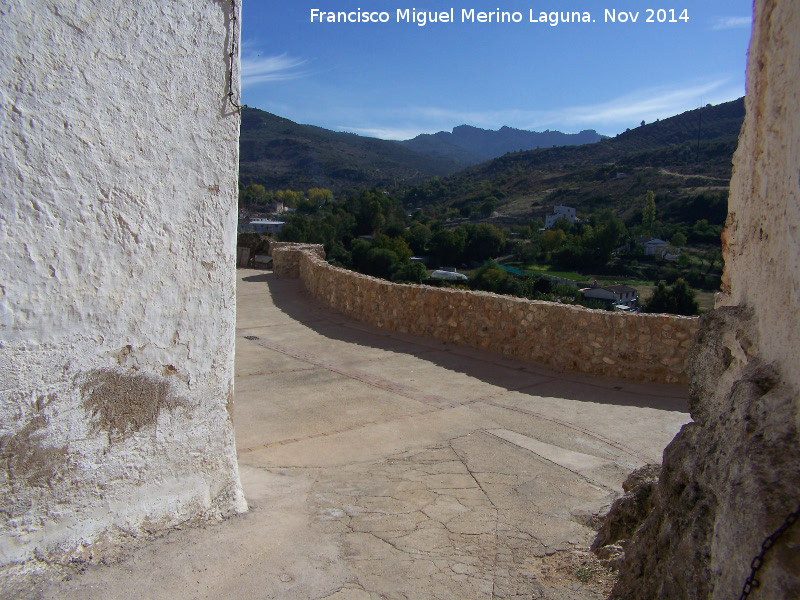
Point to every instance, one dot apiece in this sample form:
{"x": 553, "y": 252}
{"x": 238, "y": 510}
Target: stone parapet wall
{"x": 640, "y": 347}
{"x": 286, "y": 257}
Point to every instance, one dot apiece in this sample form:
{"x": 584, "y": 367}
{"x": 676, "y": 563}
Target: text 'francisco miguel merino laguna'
{"x": 470, "y": 15}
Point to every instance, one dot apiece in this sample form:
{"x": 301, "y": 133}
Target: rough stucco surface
{"x": 730, "y": 478}
{"x": 639, "y": 347}
{"x": 117, "y": 274}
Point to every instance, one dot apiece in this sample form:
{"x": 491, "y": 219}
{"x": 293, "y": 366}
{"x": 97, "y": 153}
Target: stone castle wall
{"x": 638, "y": 347}
{"x": 117, "y": 277}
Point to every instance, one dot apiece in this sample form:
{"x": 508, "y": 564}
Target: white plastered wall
{"x": 118, "y": 185}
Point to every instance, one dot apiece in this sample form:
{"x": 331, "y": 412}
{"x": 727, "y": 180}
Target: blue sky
{"x": 395, "y": 80}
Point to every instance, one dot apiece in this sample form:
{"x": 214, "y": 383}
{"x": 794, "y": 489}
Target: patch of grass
{"x": 584, "y": 574}
{"x": 705, "y": 300}
{"x": 546, "y": 270}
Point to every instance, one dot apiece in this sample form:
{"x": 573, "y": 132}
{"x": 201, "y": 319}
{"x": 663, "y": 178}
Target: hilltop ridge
{"x": 281, "y": 154}
{"x": 278, "y": 153}
{"x": 472, "y": 145}
{"x": 683, "y": 155}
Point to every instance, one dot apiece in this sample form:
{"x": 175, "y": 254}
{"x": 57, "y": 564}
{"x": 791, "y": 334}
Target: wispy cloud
{"x": 258, "y": 69}
{"x": 404, "y": 121}
{"x": 607, "y": 117}
{"x": 732, "y": 23}
{"x": 648, "y": 104}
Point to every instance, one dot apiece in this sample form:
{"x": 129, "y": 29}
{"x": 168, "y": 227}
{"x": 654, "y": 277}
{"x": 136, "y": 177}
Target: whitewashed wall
{"x": 117, "y": 269}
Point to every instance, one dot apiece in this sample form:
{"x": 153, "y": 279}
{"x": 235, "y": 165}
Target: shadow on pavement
{"x": 291, "y": 298}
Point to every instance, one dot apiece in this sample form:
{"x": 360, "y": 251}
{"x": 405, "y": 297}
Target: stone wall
{"x": 638, "y": 347}
{"x": 117, "y": 271}
{"x": 286, "y": 257}
{"x": 730, "y": 478}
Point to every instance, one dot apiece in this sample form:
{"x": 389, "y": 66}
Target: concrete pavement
{"x": 379, "y": 465}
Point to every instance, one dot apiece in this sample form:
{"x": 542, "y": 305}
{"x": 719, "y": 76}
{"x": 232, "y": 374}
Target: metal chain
{"x": 234, "y": 51}
{"x": 751, "y": 582}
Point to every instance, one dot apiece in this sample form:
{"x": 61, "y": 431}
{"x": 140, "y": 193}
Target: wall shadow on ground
{"x": 290, "y": 296}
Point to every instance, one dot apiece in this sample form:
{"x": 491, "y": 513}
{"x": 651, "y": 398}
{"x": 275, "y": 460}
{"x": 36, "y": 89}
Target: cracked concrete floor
{"x": 385, "y": 466}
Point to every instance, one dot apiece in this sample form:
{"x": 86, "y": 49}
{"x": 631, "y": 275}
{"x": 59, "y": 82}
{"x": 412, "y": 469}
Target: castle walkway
{"x": 379, "y": 465}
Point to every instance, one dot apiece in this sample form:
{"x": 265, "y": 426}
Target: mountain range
{"x": 472, "y": 145}
{"x": 281, "y": 154}
{"x": 678, "y": 158}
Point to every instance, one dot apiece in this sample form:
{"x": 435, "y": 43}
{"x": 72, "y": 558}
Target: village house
{"x": 660, "y": 248}
{"x": 560, "y": 212}
{"x": 618, "y": 295}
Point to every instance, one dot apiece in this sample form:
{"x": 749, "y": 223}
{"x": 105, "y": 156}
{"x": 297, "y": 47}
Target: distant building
{"x": 655, "y": 247}
{"x": 660, "y": 248}
{"x": 620, "y": 295}
{"x": 560, "y": 212}
{"x": 262, "y": 226}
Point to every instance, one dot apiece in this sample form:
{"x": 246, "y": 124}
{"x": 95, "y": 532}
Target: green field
{"x": 545, "y": 270}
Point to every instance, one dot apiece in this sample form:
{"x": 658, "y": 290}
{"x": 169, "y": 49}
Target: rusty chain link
{"x": 751, "y": 582}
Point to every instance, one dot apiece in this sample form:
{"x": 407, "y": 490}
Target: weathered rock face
{"x": 728, "y": 479}
{"x": 639, "y": 347}
{"x": 117, "y": 282}
{"x": 762, "y": 234}
{"x": 731, "y": 478}
{"x": 626, "y": 515}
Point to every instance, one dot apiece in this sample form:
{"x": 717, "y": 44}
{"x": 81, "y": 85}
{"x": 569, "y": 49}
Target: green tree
{"x": 649, "y": 211}
{"x": 564, "y": 224}
{"x": 319, "y": 196}
{"x": 377, "y": 222}
{"x": 574, "y": 256}
{"x": 677, "y": 300}
{"x": 252, "y": 194}
{"x": 411, "y": 272}
{"x": 602, "y": 241}
{"x": 417, "y": 238}
{"x": 381, "y": 262}
{"x": 489, "y": 278}
{"x": 291, "y": 232}
{"x": 397, "y": 245}
{"x": 488, "y": 206}
{"x": 484, "y": 241}
{"x": 678, "y": 240}
{"x": 447, "y": 246}
{"x": 552, "y": 239}
{"x": 358, "y": 251}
